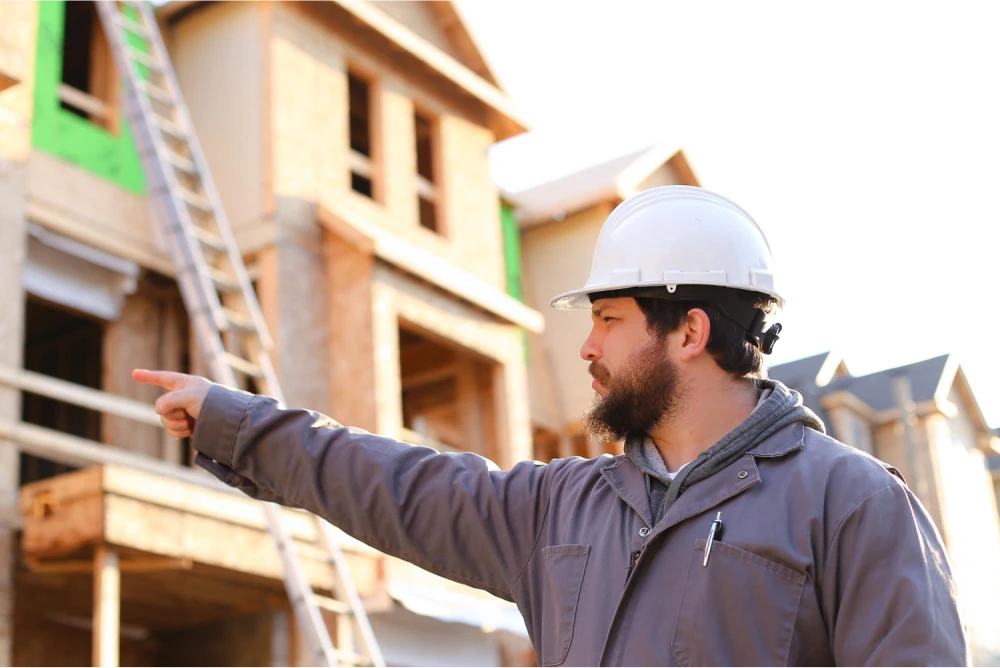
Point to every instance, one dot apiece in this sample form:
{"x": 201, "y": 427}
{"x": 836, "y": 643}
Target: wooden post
{"x": 107, "y": 604}
{"x": 17, "y": 47}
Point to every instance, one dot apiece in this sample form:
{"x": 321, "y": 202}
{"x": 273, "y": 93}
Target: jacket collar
{"x": 630, "y": 484}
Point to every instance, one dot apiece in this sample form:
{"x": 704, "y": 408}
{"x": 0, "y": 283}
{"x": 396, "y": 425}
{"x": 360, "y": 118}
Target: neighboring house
{"x": 559, "y": 222}
{"x": 923, "y": 419}
{"x": 349, "y": 145}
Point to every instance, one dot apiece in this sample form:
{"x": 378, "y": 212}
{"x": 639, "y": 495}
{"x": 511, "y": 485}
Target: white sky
{"x": 863, "y": 137}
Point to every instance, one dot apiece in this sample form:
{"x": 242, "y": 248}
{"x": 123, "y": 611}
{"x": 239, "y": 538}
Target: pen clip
{"x": 714, "y": 532}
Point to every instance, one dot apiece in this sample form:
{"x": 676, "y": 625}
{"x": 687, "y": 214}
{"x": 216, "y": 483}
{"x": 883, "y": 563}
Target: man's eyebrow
{"x": 597, "y": 311}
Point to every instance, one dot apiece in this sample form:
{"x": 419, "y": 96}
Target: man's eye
{"x": 608, "y": 319}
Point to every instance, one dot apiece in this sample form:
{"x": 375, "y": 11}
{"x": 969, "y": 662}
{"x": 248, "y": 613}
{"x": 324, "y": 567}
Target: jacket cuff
{"x": 218, "y": 423}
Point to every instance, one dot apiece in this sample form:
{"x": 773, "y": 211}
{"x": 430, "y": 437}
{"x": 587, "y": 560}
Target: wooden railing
{"x": 94, "y": 106}
{"x": 76, "y": 451}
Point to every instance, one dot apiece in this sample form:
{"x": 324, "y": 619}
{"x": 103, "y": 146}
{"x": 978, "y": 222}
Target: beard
{"x": 640, "y": 396}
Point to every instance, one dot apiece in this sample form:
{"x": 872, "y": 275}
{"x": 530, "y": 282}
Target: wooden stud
{"x": 127, "y": 566}
{"x": 107, "y": 606}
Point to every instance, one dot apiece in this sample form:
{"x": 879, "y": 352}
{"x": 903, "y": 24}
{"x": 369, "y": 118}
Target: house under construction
{"x": 347, "y": 141}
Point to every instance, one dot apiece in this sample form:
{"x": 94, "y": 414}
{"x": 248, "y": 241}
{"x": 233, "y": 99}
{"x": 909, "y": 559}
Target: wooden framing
{"x": 168, "y": 524}
{"x": 398, "y": 299}
{"x": 427, "y": 266}
{"x": 107, "y": 606}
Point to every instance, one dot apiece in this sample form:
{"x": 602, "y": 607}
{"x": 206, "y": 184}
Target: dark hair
{"x": 728, "y": 343}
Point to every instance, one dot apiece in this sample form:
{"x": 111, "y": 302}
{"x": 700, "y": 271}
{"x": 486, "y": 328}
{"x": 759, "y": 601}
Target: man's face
{"x": 635, "y": 381}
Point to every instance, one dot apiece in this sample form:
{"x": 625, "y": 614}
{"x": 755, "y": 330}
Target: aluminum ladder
{"x": 219, "y": 297}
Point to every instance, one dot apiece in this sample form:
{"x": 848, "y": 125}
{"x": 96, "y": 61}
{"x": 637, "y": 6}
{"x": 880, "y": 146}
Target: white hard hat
{"x": 677, "y": 235}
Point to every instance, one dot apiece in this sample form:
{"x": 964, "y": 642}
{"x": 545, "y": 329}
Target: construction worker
{"x": 732, "y": 530}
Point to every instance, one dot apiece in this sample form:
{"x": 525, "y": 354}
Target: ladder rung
{"x": 333, "y": 605}
{"x": 157, "y": 93}
{"x": 208, "y": 239}
{"x": 349, "y": 659}
{"x": 238, "y": 321}
{"x": 132, "y": 26}
{"x": 144, "y": 59}
{"x": 243, "y": 366}
{"x": 224, "y": 281}
{"x": 168, "y": 127}
{"x": 182, "y": 163}
{"x": 196, "y": 201}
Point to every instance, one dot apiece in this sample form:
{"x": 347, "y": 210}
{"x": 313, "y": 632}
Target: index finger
{"x": 170, "y": 380}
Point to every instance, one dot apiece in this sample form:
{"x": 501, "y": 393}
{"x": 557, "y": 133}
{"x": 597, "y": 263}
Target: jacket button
{"x": 644, "y": 531}
{"x": 742, "y": 474}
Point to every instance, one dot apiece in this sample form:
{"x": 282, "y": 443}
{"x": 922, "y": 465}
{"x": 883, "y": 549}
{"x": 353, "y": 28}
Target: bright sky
{"x": 863, "y": 137}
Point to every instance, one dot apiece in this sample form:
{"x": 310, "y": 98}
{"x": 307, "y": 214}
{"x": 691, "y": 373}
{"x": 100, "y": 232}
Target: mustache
{"x": 599, "y": 372}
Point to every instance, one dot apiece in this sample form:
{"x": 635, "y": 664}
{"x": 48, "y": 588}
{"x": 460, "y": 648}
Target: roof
{"x": 799, "y": 372}
{"x": 613, "y": 179}
{"x": 801, "y": 375}
{"x": 472, "y": 77}
{"x": 875, "y": 389}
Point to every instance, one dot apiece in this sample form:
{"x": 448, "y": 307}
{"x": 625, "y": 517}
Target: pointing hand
{"x": 179, "y": 407}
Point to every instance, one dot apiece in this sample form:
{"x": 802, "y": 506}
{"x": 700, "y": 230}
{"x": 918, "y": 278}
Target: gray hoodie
{"x": 777, "y": 407}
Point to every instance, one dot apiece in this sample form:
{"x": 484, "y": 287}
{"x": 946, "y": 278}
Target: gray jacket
{"x": 825, "y": 557}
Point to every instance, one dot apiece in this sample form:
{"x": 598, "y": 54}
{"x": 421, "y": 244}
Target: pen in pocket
{"x": 713, "y": 533}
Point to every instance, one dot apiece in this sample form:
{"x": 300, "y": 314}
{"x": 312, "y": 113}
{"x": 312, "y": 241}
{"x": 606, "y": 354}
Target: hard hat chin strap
{"x": 760, "y": 331}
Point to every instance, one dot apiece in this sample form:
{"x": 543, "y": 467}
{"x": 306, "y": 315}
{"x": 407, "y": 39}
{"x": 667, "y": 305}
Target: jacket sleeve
{"x": 455, "y": 515}
{"x": 888, "y": 593}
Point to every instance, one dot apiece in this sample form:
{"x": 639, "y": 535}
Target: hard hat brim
{"x": 580, "y": 297}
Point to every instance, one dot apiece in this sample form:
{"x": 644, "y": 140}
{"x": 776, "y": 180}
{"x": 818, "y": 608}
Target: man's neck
{"x": 706, "y": 413}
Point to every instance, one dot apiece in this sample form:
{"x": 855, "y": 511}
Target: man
{"x": 732, "y": 531}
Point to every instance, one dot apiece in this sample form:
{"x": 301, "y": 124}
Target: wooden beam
{"x": 107, "y": 607}
{"x": 439, "y": 61}
{"x": 128, "y": 566}
{"x": 426, "y": 265}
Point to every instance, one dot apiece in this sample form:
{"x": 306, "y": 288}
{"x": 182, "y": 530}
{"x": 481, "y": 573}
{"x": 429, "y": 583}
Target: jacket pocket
{"x": 564, "y": 567}
{"x": 739, "y": 610}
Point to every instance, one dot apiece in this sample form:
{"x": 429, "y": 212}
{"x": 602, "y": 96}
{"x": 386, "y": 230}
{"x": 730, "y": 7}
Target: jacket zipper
{"x": 631, "y": 564}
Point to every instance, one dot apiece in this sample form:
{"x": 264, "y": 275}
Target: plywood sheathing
{"x": 351, "y": 375}
{"x": 399, "y": 298}
{"x": 17, "y": 66}
{"x": 401, "y": 48}
{"x": 74, "y": 202}
{"x": 150, "y": 334}
{"x": 219, "y": 54}
{"x": 310, "y": 144}
{"x": 301, "y": 338}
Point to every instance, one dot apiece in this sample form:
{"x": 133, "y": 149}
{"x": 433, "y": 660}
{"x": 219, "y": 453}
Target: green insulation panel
{"x": 512, "y": 251}
{"x": 63, "y": 134}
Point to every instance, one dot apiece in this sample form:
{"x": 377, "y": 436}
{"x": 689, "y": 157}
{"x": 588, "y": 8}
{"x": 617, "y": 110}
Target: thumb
{"x": 188, "y": 400}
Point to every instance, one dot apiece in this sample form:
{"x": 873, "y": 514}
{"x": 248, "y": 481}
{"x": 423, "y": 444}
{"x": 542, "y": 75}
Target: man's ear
{"x": 694, "y": 333}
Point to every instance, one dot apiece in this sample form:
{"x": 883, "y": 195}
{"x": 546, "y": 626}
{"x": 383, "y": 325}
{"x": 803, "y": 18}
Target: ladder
{"x": 219, "y": 297}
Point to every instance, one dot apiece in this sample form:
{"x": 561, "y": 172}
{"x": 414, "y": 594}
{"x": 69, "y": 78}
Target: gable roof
{"x": 875, "y": 389}
{"x": 802, "y": 375}
{"x": 472, "y": 54}
{"x": 799, "y": 372}
{"x": 613, "y": 179}
{"x": 469, "y": 73}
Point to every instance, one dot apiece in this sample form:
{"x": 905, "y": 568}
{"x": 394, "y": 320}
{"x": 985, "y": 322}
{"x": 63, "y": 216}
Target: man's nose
{"x": 590, "y": 350}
